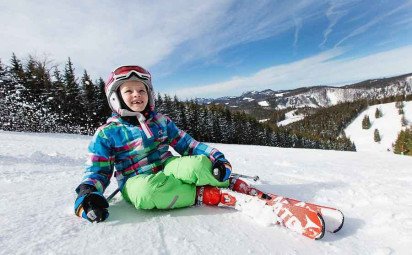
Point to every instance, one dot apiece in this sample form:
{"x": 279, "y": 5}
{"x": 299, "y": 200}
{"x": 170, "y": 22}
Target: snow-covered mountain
{"x": 38, "y": 174}
{"x": 319, "y": 96}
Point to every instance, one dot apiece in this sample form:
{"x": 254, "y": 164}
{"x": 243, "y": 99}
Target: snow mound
{"x": 255, "y": 208}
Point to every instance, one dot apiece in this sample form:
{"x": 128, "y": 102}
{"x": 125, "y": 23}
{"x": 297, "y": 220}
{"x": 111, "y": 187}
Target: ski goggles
{"x": 124, "y": 72}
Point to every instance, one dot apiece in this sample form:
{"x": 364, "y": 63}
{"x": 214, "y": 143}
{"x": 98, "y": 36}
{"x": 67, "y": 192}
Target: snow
{"x": 38, "y": 174}
{"x": 389, "y": 125}
{"x": 333, "y": 98}
{"x": 263, "y": 120}
{"x": 263, "y": 103}
{"x": 249, "y": 99}
{"x": 290, "y": 117}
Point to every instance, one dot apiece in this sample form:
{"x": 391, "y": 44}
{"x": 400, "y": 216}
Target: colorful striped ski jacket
{"x": 130, "y": 150}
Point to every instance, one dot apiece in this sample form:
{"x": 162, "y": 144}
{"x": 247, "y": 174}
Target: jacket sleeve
{"x": 100, "y": 163}
{"x": 185, "y": 145}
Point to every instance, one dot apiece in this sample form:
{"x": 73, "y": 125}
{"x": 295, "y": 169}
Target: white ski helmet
{"x": 119, "y": 76}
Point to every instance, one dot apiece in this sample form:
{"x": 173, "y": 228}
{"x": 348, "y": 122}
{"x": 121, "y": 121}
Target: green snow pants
{"x": 174, "y": 187}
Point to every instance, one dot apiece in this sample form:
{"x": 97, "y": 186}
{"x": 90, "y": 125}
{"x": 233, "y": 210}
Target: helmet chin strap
{"x": 141, "y": 119}
{"x": 145, "y": 128}
{"x": 125, "y": 112}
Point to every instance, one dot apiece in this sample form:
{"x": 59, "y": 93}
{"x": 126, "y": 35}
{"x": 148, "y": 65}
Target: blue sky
{"x": 217, "y": 48}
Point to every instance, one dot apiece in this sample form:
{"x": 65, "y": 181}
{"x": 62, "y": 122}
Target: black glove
{"x": 90, "y": 204}
{"x": 222, "y": 170}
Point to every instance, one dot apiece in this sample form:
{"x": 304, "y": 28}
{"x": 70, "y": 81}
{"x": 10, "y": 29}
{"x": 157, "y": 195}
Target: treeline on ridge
{"x": 39, "y": 97}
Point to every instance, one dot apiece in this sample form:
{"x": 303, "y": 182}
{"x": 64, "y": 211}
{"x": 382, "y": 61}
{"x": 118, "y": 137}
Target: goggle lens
{"x": 124, "y": 72}
{"x": 126, "y": 69}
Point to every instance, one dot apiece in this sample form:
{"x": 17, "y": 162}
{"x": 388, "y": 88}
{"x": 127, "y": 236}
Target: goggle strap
{"x": 128, "y": 74}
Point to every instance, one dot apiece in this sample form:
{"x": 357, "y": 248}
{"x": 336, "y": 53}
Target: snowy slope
{"x": 389, "y": 125}
{"x": 290, "y": 117}
{"x": 38, "y": 174}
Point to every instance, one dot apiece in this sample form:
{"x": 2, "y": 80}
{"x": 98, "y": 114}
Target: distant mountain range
{"x": 318, "y": 96}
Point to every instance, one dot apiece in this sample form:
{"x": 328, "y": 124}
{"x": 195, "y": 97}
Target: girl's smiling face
{"x": 134, "y": 94}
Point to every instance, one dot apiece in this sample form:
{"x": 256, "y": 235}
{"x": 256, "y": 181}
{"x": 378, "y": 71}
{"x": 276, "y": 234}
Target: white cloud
{"x": 322, "y": 69}
{"x": 298, "y": 26}
{"x": 99, "y": 35}
{"x": 365, "y": 27}
{"x": 334, "y": 13}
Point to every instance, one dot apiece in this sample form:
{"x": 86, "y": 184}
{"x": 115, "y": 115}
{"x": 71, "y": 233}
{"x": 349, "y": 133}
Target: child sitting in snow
{"x": 135, "y": 142}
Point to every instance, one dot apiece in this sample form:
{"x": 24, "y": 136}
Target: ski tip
{"x": 341, "y": 225}
{"x": 322, "y": 233}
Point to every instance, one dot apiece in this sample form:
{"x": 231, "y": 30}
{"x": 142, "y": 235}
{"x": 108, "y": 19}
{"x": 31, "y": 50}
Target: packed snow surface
{"x": 389, "y": 126}
{"x": 39, "y": 172}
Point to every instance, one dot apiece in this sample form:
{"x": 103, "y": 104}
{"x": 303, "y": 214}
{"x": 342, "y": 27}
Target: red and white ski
{"x": 332, "y": 217}
{"x": 298, "y": 219}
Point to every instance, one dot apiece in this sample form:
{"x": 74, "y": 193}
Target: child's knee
{"x": 141, "y": 190}
{"x": 202, "y": 163}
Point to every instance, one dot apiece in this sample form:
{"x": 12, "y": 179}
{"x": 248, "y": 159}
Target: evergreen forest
{"x": 38, "y": 96}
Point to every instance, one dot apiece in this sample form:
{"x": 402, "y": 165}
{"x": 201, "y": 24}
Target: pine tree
{"x": 59, "y": 95}
{"x": 399, "y": 104}
{"x": 159, "y": 102}
{"x": 28, "y": 101}
{"x": 16, "y": 71}
{"x": 90, "y": 94}
{"x": 31, "y": 88}
{"x": 7, "y": 92}
{"x": 216, "y": 134}
{"x": 193, "y": 120}
{"x": 378, "y": 113}
{"x": 167, "y": 106}
{"x": 73, "y": 106}
{"x": 403, "y": 144}
{"x": 18, "y": 108}
{"x": 5, "y": 83}
{"x": 40, "y": 96}
{"x": 404, "y": 122}
{"x": 227, "y": 126}
{"x": 206, "y": 126}
{"x": 366, "y": 124}
{"x": 182, "y": 116}
{"x": 103, "y": 108}
{"x": 376, "y": 136}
